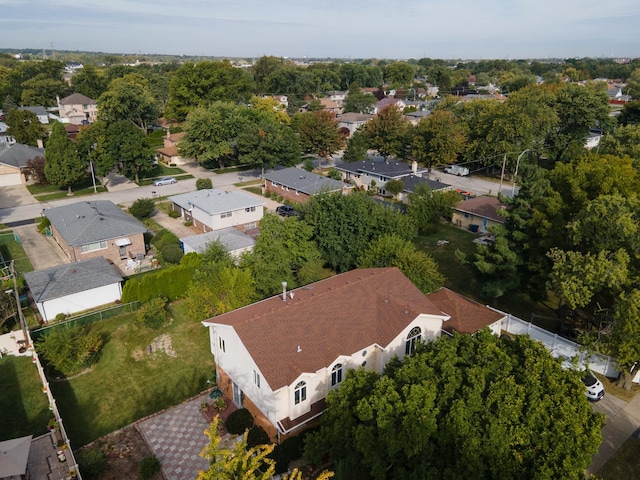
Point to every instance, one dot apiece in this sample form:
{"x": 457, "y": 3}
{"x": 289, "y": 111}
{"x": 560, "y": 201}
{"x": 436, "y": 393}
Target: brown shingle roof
{"x": 171, "y": 151}
{"x": 467, "y": 316}
{"x": 77, "y": 99}
{"x": 176, "y": 137}
{"x": 336, "y": 316}
{"x": 483, "y": 206}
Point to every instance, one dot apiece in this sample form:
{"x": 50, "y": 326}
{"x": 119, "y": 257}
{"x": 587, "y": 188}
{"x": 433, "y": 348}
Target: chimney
{"x": 39, "y": 143}
{"x": 284, "y": 291}
{"x": 414, "y": 166}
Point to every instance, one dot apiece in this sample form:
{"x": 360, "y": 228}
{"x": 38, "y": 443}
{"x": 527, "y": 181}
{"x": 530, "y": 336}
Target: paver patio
{"x": 176, "y": 437}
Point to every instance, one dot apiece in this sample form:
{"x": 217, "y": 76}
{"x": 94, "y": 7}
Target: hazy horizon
{"x": 381, "y": 29}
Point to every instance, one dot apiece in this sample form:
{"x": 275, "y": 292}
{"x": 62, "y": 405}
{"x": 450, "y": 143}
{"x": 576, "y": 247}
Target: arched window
{"x": 336, "y": 374}
{"x": 412, "y": 338}
{"x": 300, "y": 392}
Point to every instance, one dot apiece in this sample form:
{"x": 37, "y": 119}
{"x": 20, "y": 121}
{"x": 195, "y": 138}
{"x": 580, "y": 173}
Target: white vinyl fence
{"x": 562, "y": 347}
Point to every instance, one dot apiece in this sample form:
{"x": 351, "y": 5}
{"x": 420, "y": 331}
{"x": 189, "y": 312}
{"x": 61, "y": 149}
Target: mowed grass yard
{"x": 463, "y": 278}
{"x": 128, "y": 383}
{"x": 24, "y": 408}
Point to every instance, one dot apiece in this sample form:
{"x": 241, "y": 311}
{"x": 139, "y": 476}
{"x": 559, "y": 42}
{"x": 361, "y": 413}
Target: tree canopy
{"x": 63, "y": 166}
{"x": 464, "y": 407}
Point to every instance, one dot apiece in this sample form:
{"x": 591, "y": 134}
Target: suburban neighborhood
{"x": 331, "y": 268}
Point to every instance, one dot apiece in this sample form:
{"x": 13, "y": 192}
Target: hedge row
{"x": 169, "y": 282}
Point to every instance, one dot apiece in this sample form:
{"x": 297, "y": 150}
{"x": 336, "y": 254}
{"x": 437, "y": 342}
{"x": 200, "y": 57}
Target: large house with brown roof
{"x": 77, "y": 109}
{"x": 280, "y": 357}
{"x": 466, "y": 316}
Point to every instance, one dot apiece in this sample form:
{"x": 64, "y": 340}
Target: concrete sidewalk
{"x": 619, "y": 426}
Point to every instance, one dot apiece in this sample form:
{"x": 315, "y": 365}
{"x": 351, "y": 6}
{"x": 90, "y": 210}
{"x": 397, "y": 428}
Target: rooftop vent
{"x": 299, "y": 348}
{"x": 284, "y": 291}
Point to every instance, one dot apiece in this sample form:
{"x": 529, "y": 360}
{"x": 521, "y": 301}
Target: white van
{"x": 457, "y": 170}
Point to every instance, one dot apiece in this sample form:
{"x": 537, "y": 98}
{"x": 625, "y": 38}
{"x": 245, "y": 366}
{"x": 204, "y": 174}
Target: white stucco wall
{"x": 79, "y": 302}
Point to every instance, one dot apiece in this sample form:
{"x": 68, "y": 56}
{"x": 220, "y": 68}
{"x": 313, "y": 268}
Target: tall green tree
{"x": 357, "y": 147}
{"x": 89, "y": 81}
{"x": 427, "y": 207}
{"x": 437, "y": 140}
{"x": 399, "y": 74}
{"x": 128, "y": 98}
{"x": 284, "y": 251}
{"x": 498, "y": 265}
{"x": 199, "y": 84}
{"x": 344, "y": 225}
{"x": 25, "y": 127}
{"x": 63, "y": 166}
{"x": 621, "y": 141}
{"x": 504, "y": 406}
{"x": 358, "y": 101}
{"x": 319, "y": 133}
{"x": 211, "y": 133}
{"x": 267, "y": 144}
{"x": 43, "y": 90}
{"x": 391, "y": 250}
{"x": 388, "y": 132}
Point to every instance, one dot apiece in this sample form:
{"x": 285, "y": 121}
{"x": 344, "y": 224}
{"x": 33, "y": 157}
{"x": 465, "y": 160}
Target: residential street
{"x": 27, "y": 208}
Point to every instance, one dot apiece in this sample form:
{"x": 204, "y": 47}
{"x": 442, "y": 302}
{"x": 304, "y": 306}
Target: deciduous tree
{"x": 504, "y": 406}
{"x": 319, "y": 133}
{"x": 63, "y": 166}
{"x": 388, "y": 132}
{"x": 437, "y": 140}
{"x": 267, "y": 144}
{"x": 128, "y": 98}
{"x": 25, "y": 127}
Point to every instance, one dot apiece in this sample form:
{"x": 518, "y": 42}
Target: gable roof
{"x": 212, "y": 201}
{"x": 467, "y": 316}
{"x": 70, "y": 278}
{"x": 87, "y": 222}
{"x": 483, "y": 206}
{"x": 337, "y": 316}
{"x": 232, "y": 239}
{"x": 378, "y": 166}
{"x": 412, "y": 181}
{"x": 17, "y": 155}
{"x": 77, "y": 99}
{"x": 305, "y": 182}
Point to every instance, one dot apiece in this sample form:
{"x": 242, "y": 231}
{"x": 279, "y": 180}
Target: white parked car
{"x": 165, "y": 181}
{"x": 595, "y": 389}
{"x": 457, "y": 170}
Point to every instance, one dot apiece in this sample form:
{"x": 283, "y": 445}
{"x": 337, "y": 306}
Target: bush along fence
{"x": 561, "y": 347}
{"x": 86, "y": 319}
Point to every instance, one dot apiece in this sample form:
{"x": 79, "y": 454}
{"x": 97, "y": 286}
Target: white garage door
{"x": 10, "y": 179}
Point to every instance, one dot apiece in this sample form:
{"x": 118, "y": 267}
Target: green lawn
{"x": 127, "y": 383}
{"x": 463, "y": 278}
{"x": 625, "y": 463}
{"x": 12, "y": 250}
{"x": 80, "y": 192}
{"x": 25, "y": 409}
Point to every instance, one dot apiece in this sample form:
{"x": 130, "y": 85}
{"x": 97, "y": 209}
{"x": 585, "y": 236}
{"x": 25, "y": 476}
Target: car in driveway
{"x": 164, "y": 181}
{"x": 287, "y": 211}
{"x": 595, "y": 389}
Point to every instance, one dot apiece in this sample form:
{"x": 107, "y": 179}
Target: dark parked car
{"x": 287, "y": 211}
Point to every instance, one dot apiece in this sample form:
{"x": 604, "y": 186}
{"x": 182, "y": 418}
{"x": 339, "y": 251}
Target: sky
{"x": 451, "y": 29}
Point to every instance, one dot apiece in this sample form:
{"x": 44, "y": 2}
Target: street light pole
{"x": 513, "y": 191}
{"x": 23, "y": 323}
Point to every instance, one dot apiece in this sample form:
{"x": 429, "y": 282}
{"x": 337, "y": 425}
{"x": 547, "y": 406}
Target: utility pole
{"x": 23, "y": 323}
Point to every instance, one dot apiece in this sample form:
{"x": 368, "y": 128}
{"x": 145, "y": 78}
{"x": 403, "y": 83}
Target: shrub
{"x": 188, "y": 223}
{"x": 174, "y": 213}
{"x": 294, "y": 446}
{"x": 282, "y": 459}
{"x": 148, "y": 467}
{"x": 92, "y": 464}
{"x": 142, "y": 208}
{"x": 239, "y": 421}
{"x": 308, "y": 164}
{"x": 165, "y": 237}
{"x": 335, "y": 174}
{"x": 171, "y": 253}
{"x": 69, "y": 350}
{"x": 204, "y": 184}
{"x": 43, "y": 224}
{"x": 169, "y": 282}
{"x": 257, "y": 436}
{"x": 61, "y": 317}
{"x": 153, "y": 314}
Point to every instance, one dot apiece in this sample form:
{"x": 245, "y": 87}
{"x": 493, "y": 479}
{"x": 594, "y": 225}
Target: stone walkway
{"x": 176, "y": 437}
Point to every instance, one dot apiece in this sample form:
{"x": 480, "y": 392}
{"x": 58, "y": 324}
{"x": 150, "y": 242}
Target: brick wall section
{"x": 112, "y": 252}
{"x": 286, "y": 195}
